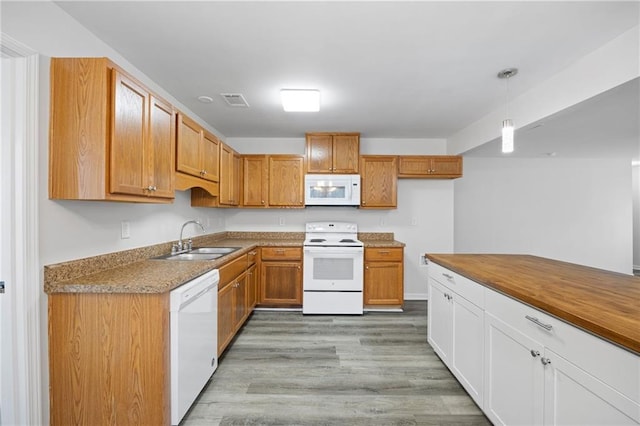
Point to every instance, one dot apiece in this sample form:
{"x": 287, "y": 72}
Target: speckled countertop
{"x": 134, "y": 271}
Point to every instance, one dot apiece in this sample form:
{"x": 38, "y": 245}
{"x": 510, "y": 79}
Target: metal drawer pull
{"x": 535, "y": 353}
{"x": 448, "y": 276}
{"x": 545, "y": 361}
{"x": 536, "y": 321}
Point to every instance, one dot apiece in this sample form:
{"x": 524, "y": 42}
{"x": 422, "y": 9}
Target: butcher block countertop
{"x": 601, "y": 302}
{"x": 135, "y": 270}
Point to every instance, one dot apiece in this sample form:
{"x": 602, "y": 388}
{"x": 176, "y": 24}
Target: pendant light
{"x": 507, "y": 123}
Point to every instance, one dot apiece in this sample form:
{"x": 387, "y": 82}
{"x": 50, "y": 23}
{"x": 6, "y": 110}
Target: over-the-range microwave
{"x": 332, "y": 190}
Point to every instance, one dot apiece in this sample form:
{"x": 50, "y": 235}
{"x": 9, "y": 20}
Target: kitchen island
{"x": 538, "y": 341}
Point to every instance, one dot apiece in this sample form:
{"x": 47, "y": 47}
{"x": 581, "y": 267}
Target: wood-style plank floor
{"x": 284, "y": 368}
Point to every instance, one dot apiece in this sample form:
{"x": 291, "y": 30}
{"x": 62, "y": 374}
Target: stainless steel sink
{"x": 215, "y": 250}
{"x": 201, "y": 253}
{"x": 190, "y": 256}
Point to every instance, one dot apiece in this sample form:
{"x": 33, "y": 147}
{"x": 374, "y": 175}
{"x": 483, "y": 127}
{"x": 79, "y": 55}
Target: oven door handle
{"x": 333, "y": 250}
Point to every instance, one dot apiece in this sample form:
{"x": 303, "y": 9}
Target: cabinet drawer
{"x": 281, "y": 253}
{"x": 383, "y": 254}
{"x": 252, "y": 256}
{"x": 231, "y": 270}
{"x": 470, "y": 290}
{"x": 616, "y": 367}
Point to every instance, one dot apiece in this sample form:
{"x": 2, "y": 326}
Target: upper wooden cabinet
{"x": 333, "y": 152}
{"x": 110, "y": 137}
{"x": 430, "y": 166}
{"x": 286, "y": 180}
{"x": 229, "y": 176}
{"x": 379, "y": 181}
{"x": 255, "y": 180}
{"x": 198, "y": 150}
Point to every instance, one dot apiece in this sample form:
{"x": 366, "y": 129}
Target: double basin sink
{"x": 201, "y": 253}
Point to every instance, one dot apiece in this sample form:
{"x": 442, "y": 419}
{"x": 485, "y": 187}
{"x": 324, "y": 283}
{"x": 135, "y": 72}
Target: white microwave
{"x": 332, "y": 190}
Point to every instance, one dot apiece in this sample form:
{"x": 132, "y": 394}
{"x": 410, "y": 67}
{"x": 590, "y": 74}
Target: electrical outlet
{"x": 125, "y": 230}
{"x": 423, "y": 260}
{"x": 383, "y": 221}
{"x": 281, "y": 221}
{"x": 414, "y": 221}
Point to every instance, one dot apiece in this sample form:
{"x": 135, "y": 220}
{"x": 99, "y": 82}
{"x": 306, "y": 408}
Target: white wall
{"x": 636, "y": 216}
{"x": 423, "y": 219}
{"x": 576, "y": 210}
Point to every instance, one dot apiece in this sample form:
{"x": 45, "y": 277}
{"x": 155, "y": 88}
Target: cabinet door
{"x": 379, "y": 181}
{"x": 252, "y": 287}
{"x": 346, "y": 153}
{"x": 440, "y": 320}
{"x": 286, "y": 180}
{"x": 383, "y": 283}
{"x": 255, "y": 169}
{"x": 467, "y": 351}
{"x": 163, "y": 144}
{"x": 240, "y": 301}
{"x": 514, "y": 375}
{"x": 210, "y": 158}
{"x": 281, "y": 283}
{"x": 128, "y": 135}
{"x": 574, "y": 397}
{"x": 319, "y": 153}
{"x": 226, "y": 175}
{"x": 189, "y": 143}
{"x": 446, "y": 166}
{"x": 226, "y": 316}
{"x": 236, "y": 179}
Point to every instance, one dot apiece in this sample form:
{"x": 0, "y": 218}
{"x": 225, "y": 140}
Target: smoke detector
{"x": 235, "y": 99}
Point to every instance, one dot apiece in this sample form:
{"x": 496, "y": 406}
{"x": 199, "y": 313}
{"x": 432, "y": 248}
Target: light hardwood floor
{"x": 377, "y": 369}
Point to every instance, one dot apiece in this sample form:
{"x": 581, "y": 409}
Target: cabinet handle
{"x": 279, "y": 251}
{"x": 262, "y": 201}
{"x": 545, "y": 361}
{"x": 383, "y": 252}
{"x": 151, "y": 188}
{"x": 204, "y": 172}
{"x": 252, "y": 253}
{"x": 536, "y": 321}
{"x": 364, "y": 202}
{"x": 449, "y": 276}
{"x": 535, "y": 353}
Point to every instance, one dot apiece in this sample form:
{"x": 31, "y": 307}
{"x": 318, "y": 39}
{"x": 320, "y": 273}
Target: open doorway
{"x": 636, "y": 216}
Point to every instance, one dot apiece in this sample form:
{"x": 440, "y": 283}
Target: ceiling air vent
{"x": 235, "y": 99}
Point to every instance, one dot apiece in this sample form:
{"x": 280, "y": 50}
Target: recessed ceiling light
{"x": 300, "y": 100}
{"x": 205, "y": 99}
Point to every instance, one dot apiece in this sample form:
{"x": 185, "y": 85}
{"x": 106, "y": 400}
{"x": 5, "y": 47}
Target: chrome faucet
{"x": 182, "y": 246}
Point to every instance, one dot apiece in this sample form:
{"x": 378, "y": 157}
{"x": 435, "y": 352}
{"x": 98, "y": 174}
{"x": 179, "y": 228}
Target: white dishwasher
{"x": 194, "y": 340}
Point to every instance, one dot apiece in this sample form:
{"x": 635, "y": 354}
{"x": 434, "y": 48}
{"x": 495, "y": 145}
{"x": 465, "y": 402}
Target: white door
{"x": 514, "y": 375}
{"x": 467, "y": 352}
{"x": 574, "y": 397}
{"x": 439, "y": 320}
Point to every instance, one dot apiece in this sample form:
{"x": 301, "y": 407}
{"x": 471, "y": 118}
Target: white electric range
{"x": 333, "y": 269}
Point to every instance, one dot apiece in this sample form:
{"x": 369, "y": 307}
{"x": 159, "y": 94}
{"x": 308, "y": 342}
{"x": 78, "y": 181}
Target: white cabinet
{"x": 514, "y": 379}
{"x": 540, "y": 370}
{"x": 456, "y": 328}
{"x": 525, "y": 367}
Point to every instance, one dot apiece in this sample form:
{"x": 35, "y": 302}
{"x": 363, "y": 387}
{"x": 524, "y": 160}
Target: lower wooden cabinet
{"x": 281, "y": 277}
{"x": 109, "y": 359}
{"x": 383, "y": 277}
{"x": 234, "y": 293}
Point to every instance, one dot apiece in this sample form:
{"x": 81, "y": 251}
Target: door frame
{"x": 21, "y": 354}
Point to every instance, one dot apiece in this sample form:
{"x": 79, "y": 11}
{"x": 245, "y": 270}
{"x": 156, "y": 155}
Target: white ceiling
{"x": 415, "y": 69}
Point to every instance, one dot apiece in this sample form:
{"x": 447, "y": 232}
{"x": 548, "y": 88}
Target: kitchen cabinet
{"x": 379, "y": 181}
{"x": 430, "y": 166}
{"x": 286, "y": 181}
{"x": 538, "y": 370}
{"x": 233, "y": 294}
{"x": 281, "y": 277}
{"x": 456, "y": 333}
{"x": 109, "y": 359}
{"x": 229, "y": 176}
{"x": 332, "y": 152}
{"x": 255, "y": 182}
{"x": 198, "y": 150}
{"x": 111, "y": 138}
{"x": 383, "y": 277}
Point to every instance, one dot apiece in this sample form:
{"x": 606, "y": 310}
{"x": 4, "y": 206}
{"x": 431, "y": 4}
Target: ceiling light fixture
{"x": 205, "y": 99}
{"x": 507, "y": 123}
{"x": 300, "y": 100}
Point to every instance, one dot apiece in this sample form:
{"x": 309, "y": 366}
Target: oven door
{"x": 333, "y": 269}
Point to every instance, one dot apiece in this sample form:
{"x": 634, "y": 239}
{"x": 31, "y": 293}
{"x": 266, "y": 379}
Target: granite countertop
{"x": 604, "y": 303}
{"x": 135, "y": 271}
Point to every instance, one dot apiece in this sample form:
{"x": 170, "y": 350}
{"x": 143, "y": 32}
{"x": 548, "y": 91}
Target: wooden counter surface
{"x": 601, "y": 302}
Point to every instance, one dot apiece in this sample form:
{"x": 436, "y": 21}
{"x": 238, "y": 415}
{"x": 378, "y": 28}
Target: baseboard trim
{"x": 416, "y": 296}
